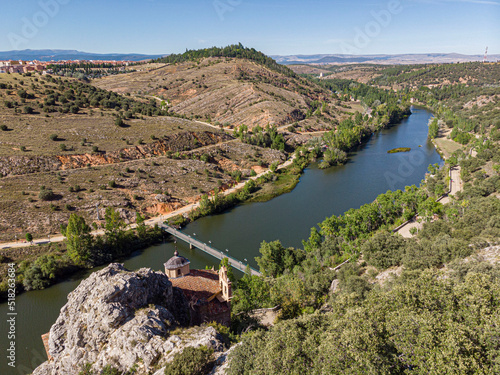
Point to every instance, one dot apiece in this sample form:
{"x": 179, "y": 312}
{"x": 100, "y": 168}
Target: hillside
{"x": 101, "y": 142}
{"x": 89, "y": 146}
{"x": 227, "y": 91}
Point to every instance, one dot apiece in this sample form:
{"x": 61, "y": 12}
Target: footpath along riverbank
{"x": 445, "y": 147}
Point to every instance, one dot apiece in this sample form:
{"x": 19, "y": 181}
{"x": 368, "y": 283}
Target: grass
{"x": 447, "y": 146}
{"x": 399, "y": 149}
{"x": 285, "y": 183}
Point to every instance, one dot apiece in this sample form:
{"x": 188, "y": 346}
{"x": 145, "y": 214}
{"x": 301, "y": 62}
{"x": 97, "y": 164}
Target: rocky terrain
{"x": 126, "y": 320}
{"x": 150, "y": 164}
{"x": 19, "y": 165}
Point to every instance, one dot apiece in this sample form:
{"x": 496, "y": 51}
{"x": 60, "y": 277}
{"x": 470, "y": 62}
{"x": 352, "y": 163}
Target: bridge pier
{"x": 191, "y": 246}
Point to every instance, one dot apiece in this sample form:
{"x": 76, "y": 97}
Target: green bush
{"x": 384, "y": 250}
{"x": 46, "y": 194}
{"x": 27, "y": 109}
{"x": 41, "y": 273}
{"x": 191, "y": 361}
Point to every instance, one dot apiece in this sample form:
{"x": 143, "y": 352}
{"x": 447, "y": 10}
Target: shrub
{"x": 40, "y": 273}
{"x": 53, "y": 137}
{"x": 46, "y": 194}
{"x": 4, "y": 128}
{"x": 119, "y": 122}
{"x": 191, "y": 361}
{"x": 27, "y": 109}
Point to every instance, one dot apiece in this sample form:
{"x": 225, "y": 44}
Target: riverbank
{"x": 53, "y": 250}
{"x": 445, "y": 146}
{"x": 270, "y": 183}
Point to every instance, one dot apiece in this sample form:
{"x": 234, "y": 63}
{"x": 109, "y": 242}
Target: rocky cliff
{"x": 123, "y": 319}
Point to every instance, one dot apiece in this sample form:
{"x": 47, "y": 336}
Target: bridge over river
{"x": 238, "y": 264}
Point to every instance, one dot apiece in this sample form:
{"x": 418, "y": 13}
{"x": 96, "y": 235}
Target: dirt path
{"x": 456, "y": 185}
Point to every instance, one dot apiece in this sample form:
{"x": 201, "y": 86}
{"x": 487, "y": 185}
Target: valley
{"x": 287, "y": 172}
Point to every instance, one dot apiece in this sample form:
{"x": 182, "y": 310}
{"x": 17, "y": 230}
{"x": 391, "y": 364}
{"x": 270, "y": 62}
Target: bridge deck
{"x": 207, "y": 249}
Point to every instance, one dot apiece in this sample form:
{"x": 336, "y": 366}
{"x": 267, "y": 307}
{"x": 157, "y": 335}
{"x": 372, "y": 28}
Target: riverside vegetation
{"x": 223, "y": 165}
{"x": 429, "y": 319}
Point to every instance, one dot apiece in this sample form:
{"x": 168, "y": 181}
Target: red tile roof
{"x": 200, "y": 284}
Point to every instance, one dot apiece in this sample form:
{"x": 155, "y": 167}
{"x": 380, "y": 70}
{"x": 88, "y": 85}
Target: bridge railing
{"x": 219, "y": 254}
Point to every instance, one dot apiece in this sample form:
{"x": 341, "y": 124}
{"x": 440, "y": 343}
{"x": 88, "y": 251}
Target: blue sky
{"x": 272, "y": 26}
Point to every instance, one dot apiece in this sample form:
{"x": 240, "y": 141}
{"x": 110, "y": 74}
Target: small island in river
{"x": 399, "y": 149}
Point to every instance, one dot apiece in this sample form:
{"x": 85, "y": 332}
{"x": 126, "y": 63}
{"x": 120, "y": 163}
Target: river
{"x": 369, "y": 172}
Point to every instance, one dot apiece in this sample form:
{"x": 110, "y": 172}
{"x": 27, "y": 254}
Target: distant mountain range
{"x": 418, "y": 58}
{"x": 56, "y": 54}
{"x": 422, "y": 58}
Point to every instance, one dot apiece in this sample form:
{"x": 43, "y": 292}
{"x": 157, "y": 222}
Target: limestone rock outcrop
{"x": 123, "y": 319}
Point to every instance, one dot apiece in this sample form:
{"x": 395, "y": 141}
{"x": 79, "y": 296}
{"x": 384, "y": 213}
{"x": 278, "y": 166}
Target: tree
{"x": 46, "y": 194}
{"x": 29, "y": 237}
{"x": 28, "y": 110}
{"x": 276, "y": 259}
{"x": 40, "y": 273}
{"x": 119, "y": 122}
{"x": 225, "y": 262}
{"x": 141, "y": 227}
{"x": 78, "y": 240}
{"x": 114, "y": 229}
